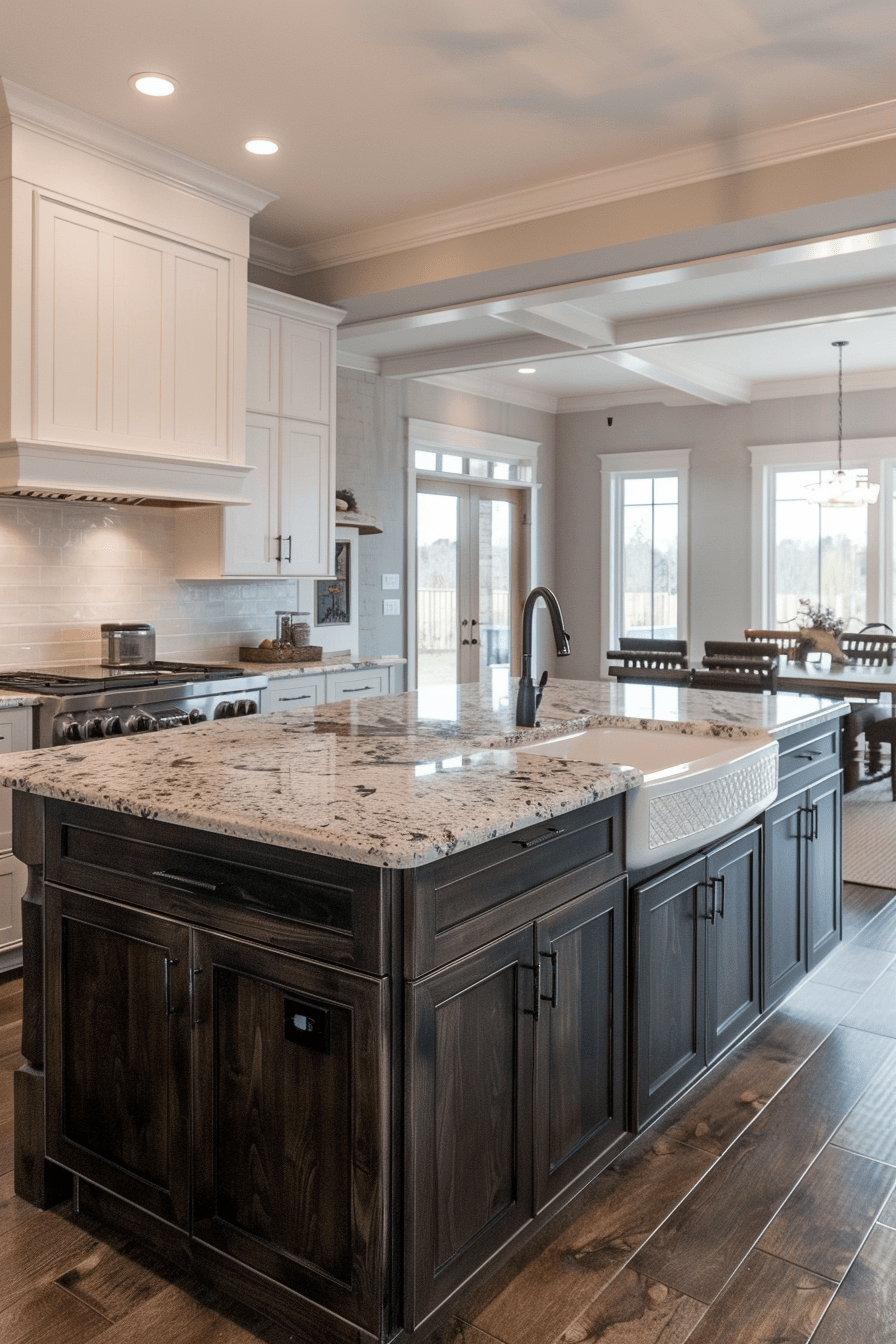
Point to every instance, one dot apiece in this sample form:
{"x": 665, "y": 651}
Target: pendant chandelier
{"x": 841, "y": 491}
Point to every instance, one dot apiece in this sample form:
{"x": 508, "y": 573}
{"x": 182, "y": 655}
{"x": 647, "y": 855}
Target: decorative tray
{"x": 305, "y": 653}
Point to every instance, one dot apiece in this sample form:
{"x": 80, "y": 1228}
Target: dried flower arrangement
{"x": 819, "y": 618}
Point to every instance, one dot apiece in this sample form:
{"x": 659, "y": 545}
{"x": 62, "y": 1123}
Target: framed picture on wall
{"x": 333, "y": 597}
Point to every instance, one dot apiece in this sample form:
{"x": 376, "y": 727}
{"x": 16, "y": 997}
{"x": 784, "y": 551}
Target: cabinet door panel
{"x": 305, "y": 364}
{"x": 306, "y": 500}
{"x": 671, "y": 1025}
{"x": 784, "y": 898}
{"x": 263, "y": 362}
{"x": 470, "y": 1181}
{"x": 733, "y": 945}
{"x": 118, "y": 1050}
{"x": 290, "y": 1121}
{"x": 824, "y": 888}
{"x": 579, "y": 1108}
{"x": 137, "y": 317}
{"x": 199, "y": 355}
{"x": 250, "y": 530}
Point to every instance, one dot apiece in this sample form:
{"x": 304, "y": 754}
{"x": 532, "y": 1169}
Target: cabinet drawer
{"x": 293, "y": 693}
{"x": 462, "y": 902}
{"x": 330, "y": 909}
{"x": 357, "y": 685}
{"x": 807, "y": 756}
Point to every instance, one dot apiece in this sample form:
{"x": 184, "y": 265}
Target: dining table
{"x": 873, "y": 687}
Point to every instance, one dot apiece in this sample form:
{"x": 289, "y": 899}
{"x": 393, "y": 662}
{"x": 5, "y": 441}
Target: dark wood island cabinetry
{"x": 341, "y": 1091}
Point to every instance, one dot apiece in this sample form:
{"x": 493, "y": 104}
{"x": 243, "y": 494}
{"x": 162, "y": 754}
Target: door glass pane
{"x": 819, "y": 554}
{"x": 649, "y": 562}
{"x": 495, "y": 568}
{"x": 437, "y": 559}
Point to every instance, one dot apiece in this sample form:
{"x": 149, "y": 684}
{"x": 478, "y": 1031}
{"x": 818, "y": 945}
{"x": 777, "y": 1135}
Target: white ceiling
{"x": 392, "y": 114}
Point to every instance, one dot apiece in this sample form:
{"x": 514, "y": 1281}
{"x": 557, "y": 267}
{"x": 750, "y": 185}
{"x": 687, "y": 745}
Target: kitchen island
{"x": 333, "y": 1006}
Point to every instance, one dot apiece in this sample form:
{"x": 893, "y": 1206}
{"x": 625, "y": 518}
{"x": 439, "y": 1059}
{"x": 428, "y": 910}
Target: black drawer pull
{"x": 185, "y": 880}
{"x": 346, "y": 690}
{"x": 807, "y": 755}
{"x": 306, "y": 696}
{"x": 542, "y": 839}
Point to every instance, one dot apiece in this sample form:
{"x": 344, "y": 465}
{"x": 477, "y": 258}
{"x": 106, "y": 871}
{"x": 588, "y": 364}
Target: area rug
{"x": 869, "y": 836}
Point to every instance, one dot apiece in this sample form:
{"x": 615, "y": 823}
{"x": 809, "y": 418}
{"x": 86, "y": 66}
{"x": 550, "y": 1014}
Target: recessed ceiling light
{"x": 262, "y": 146}
{"x": 154, "y": 85}
{"x": 526, "y": 370}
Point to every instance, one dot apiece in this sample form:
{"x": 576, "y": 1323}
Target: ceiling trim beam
{"x": 708, "y": 384}
{"x": 564, "y": 322}
{"x": 456, "y": 358}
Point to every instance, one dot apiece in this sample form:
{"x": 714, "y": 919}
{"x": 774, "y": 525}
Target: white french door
{"x": 469, "y": 582}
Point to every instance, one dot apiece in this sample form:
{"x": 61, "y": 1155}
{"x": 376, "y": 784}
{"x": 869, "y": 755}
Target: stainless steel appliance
{"x": 127, "y": 642}
{"x": 83, "y": 703}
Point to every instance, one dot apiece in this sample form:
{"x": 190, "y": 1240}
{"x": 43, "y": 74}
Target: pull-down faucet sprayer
{"x": 529, "y": 695}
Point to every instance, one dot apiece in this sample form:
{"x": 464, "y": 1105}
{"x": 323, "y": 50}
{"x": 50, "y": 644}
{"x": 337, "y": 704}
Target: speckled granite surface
{"x": 393, "y": 781}
{"x": 274, "y": 670}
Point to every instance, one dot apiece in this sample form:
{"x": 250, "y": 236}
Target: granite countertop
{"x": 393, "y": 781}
{"x": 15, "y": 699}
{"x": 327, "y": 664}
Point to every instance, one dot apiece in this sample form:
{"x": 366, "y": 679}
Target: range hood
{"x": 99, "y": 475}
{"x": 123, "y": 311}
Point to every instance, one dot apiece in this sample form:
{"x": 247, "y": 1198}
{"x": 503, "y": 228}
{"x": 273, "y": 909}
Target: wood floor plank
{"x": 829, "y": 1214}
{"x": 700, "y": 1246}
{"x": 720, "y": 1107}
{"x": 12, "y": 1209}
{"x": 49, "y": 1315}
{"x": 768, "y": 1300}
{"x": 200, "y": 1316}
{"x": 854, "y": 967}
{"x": 38, "y": 1250}
{"x": 11, "y": 989}
{"x": 870, "y": 1127}
{"x": 860, "y": 905}
{"x": 456, "y": 1331}
{"x": 116, "y": 1277}
{"x": 625, "y": 1204}
{"x": 876, "y": 1010}
{"x": 638, "y": 1311}
{"x": 887, "y": 1214}
{"x": 11, "y": 1036}
{"x": 864, "y": 1307}
{"x": 881, "y": 931}
{"x": 820, "y": 1004}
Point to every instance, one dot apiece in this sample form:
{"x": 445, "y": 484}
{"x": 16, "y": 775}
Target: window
{"x": 838, "y": 558}
{"x": 645, "y": 517}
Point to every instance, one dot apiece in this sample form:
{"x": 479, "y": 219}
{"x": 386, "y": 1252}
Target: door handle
{"x": 168, "y": 963}
{"x": 289, "y": 557}
{"x": 552, "y": 997}
{"x": 535, "y": 1010}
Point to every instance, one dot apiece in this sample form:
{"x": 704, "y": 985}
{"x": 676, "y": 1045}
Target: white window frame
{"x": 614, "y": 469}
{"x": 431, "y": 436}
{"x": 878, "y": 457}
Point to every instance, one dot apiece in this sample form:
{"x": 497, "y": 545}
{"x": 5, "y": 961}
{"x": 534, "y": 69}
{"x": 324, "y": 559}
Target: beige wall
{"x": 720, "y": 499}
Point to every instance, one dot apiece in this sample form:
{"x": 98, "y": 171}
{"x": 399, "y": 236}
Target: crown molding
{"x": 700, "y": 163}
{"x": 347, "y": 359}
{"x": 35, "y": 112}
{"x": 870, "y": 380}
{"x": 477, "y": 385}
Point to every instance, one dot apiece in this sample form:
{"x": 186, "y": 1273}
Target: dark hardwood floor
{"x": 760, "y": 1208}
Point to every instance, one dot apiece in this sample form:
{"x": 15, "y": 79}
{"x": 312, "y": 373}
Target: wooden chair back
{"x": 653, "y": 676}
{"x": 786, "y": 640}
{"x": 649, "y": 654}
{"x": 872, "y": 650}
{"x": 737, "y": 666}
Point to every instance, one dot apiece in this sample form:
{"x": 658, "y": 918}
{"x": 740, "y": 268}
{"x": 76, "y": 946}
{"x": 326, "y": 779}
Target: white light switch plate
{"x": 391, "y": 581}
{"x": 391, "y": 606}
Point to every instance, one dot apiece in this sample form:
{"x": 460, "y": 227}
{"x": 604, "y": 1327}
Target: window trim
{"x": 613, "y": 468}
{"x": 878, "y": 456}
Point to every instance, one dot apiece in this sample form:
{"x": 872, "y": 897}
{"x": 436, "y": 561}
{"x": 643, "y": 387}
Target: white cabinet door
{"x": 15, "y": 735}
{"x": 307, "y": 490}
{"x": 300, "y": 692}
{"x": 305, "y": 370}
{"x": 132, "y": 338}
{"x": 263, "y": 362}
{"x": 250, "y": 531}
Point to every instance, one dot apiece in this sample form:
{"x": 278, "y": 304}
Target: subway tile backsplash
{"x": 66, "y": 568}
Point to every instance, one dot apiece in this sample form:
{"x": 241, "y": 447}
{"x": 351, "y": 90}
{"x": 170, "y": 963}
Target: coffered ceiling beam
{"x": 708, "y": 384}
{"x": 564, "y": 322}
{"x": 454, "y": 359}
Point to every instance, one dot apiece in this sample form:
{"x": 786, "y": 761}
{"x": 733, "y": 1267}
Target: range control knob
{"x": 141, "y": 723}
{"x": 112, "y": 725}
{"x": 72, "y": 731}
{"x": 246, "y": 707}
{"x": 94, "y": 728}
{"x": 196, "y": 716}
{"x": 225, "y": 710}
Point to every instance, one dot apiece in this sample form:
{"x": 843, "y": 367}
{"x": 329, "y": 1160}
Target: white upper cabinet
{"x": 288, "y": 527}
{"x": 132, "y": 338}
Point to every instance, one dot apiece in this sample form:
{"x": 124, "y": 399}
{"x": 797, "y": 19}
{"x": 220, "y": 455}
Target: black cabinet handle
{"x": 542, "y": 839}
{"x": 194, "y": 971}
{"x": 348, "y": 690}
{"x": 185, "y": 880}
{"x": 169, "y": 962}
{"x": 552, "y": 997}
{"x": 535, "y": 1010}
{"x": 289, "y": 557}
{"x": 283, "y": 698}
{"x": 806, "y": 755}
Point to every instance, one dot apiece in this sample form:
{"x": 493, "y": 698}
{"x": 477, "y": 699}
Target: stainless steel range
{"x": 81, "y": 703}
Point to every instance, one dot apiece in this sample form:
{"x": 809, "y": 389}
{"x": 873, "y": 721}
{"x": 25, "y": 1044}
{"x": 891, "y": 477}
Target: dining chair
{"x": 658, "y": 661}
{"x": 737, "y": 666}
{"x": 872, "y": 650}
{"x": 786, "y": 640}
